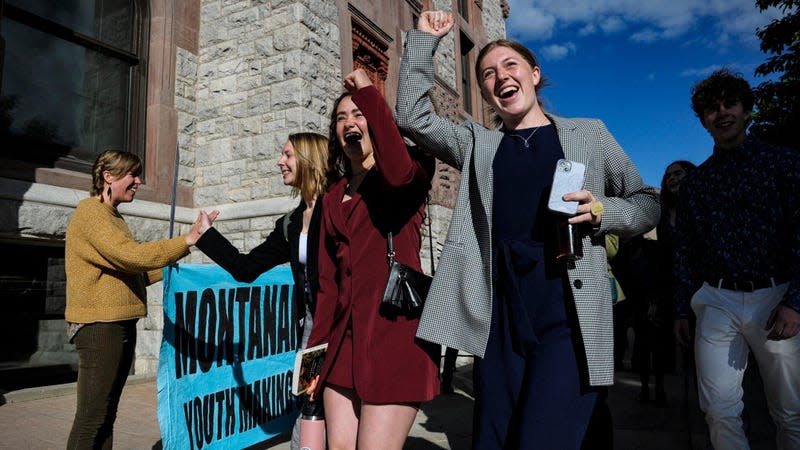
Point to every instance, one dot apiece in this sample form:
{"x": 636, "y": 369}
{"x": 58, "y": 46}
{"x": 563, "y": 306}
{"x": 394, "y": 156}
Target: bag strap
{"x": 389, "y": 248}
{"x": 390, "y": 243}
{"x": 430, "y": 233}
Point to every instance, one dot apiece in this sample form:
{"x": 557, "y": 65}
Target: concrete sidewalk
{"x": 40, "y": 418}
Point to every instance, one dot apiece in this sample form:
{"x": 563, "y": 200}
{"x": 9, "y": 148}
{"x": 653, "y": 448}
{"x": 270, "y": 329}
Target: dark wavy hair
{"x": 721, "y": 85}
{"x": 338, "y": 162}
{"x": 669, "y": 200}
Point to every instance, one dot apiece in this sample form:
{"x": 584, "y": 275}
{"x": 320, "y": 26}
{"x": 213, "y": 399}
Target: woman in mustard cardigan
{"x": 107, "y": 272}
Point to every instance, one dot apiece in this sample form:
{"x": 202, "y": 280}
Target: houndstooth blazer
{"x": 458, "y": 308}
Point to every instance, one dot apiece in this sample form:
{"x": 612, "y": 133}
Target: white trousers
{"x": 730, "y": 324}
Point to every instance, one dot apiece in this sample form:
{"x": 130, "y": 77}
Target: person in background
{"x": 674, "y": 175}
{"x": 737, "y": 264}
{"x": 619, "y": 305}
{"x": 375, "y": 373}
{"x": 542, "y": 330}
{"x": 639, "y": 269}
{"x": 303, "y": 164}
{"x": 107, "y": 272}
{"x": 449, "y": 366}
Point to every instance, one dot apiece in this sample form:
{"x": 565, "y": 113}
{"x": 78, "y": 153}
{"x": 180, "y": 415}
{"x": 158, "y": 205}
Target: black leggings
{"x": 105, "y": 353}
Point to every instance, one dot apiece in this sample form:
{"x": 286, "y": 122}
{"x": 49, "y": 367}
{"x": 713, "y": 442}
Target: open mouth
{"x": 507, "y": 92}
{"x": 352, "y": 137}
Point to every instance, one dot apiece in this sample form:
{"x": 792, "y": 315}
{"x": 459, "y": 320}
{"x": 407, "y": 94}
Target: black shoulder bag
{"x": 406, "y": 288}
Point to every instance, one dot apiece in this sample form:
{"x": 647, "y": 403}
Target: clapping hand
{"x": 201, "y": 225}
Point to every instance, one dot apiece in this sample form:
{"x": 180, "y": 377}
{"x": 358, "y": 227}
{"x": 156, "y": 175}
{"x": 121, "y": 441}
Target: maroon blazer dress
{"x": 376, "y": 355}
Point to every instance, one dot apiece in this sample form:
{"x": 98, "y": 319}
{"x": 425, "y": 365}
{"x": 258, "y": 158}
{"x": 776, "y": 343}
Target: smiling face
{"x": 673, "y": 177}
{"x": 508, "y": 84}
{"x": 352, "y": 132}
{"x": 123, "y": 189}
{"x": 287, "y": 164}
{"x": 726, "y": 121}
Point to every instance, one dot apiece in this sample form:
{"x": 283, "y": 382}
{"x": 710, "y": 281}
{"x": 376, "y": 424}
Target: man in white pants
{"x": 737, "y": 264}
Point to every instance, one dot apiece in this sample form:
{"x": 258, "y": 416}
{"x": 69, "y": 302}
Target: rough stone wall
{"x": 445, "y": 58}
{"x": 264, "y": 70}
{"x": 493, "y": 17}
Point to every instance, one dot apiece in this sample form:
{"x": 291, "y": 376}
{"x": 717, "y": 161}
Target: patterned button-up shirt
{"x": 739, "y": 218}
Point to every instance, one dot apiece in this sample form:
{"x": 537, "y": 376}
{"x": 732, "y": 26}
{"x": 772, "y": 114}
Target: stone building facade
{"x": 212, "y": 89}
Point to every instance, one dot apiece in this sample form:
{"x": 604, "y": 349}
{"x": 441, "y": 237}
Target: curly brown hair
{"x": 721, "y": 85}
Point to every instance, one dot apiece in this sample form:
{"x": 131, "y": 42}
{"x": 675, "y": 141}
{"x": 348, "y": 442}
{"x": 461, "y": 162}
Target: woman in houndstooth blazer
{"x": 543, "y": 332}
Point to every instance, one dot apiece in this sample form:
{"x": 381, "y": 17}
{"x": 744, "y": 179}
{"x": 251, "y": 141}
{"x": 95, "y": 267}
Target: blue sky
{"x": 632, "y": 63}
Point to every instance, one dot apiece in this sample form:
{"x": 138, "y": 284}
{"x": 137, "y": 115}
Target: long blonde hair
{"x": 118, "y": 164}
{"x": 311, "y": 152}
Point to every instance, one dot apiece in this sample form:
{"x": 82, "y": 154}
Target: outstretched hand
{"x": 437, "y": 23}
{"x": 201, "y": 225}
{"x": 356, "y": 80}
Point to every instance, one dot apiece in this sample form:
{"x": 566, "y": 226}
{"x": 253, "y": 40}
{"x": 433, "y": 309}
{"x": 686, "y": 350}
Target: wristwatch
{"x": 597, "y": 208}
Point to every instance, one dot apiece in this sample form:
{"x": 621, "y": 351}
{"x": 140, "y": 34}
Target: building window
{"x": 73, "y": 81}
{"x": 370, "y": 50}
{"x": 463, "y": 8}
{"x": 466, "y": 73}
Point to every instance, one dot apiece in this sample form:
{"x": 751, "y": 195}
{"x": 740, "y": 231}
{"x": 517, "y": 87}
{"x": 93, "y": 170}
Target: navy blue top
{"x": 528, "y": 280}
{"x": 738, "y": 218}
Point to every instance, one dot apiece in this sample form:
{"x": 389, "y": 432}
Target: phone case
{"x": 568, "y": 177}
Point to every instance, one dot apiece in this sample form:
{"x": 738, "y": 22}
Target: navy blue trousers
{"x": 530, "y": 393}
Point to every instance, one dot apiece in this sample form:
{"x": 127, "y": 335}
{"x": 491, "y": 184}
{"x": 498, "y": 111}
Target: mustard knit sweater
{"x": 107, "y": 270}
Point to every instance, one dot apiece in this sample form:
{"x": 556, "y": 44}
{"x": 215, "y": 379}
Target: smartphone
{"x": 568, "y": 177}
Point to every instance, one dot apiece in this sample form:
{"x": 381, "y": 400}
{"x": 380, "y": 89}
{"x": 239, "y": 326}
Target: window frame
{"x": 29, "y": 168}
{"x": 466, "y": 80}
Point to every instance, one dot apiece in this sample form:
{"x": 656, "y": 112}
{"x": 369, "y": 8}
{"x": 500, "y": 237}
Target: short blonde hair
{"x": 311, "y": 152}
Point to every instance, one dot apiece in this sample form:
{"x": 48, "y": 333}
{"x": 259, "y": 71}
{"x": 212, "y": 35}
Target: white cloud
{"x": 531, "y": 23}
{"x": 646, "y": 35}
{"x": 647, "y": 20}
{"x": 700, "y": 72}
{"x": 612, "y": 24}
{"x": 588, "y": 29}
{"x": 557, "y": 51}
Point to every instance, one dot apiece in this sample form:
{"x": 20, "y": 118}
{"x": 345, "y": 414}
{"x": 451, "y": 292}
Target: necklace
{"x": 525, "y": 140}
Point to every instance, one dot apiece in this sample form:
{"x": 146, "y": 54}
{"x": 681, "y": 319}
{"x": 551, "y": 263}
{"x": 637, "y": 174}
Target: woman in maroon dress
{"x": 375, "y": 373}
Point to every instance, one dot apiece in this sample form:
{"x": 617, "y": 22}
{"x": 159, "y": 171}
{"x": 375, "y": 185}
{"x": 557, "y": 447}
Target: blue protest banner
{"x": 227, "y": 355}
